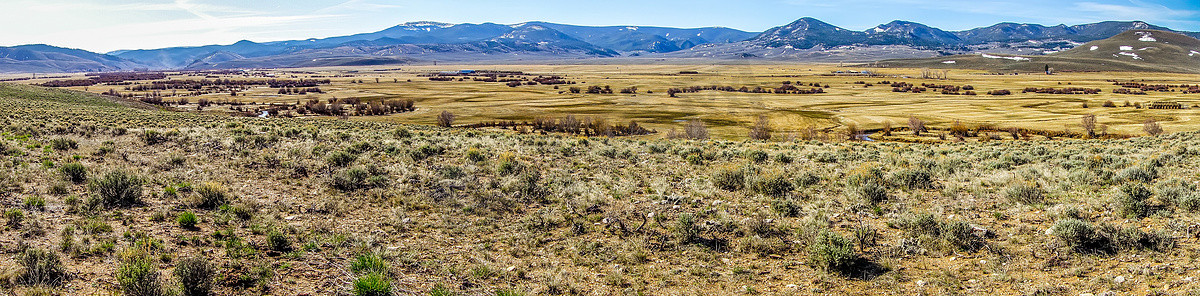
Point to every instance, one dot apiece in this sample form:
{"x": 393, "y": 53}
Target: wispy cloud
{"x": 359, "y": 5}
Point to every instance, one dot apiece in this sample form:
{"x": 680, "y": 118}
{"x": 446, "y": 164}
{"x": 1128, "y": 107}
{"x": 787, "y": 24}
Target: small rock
{"x": 982, "y": 262}
{"x": 511, "y": 268}
{"x": 920, "y": 283}
{"x": 650, "y": 215}
{"x": 1087, "y": 294}
{"x": 289, "y": 218}
{"x": 1119, "y": 279}
{"x": 792, "y": 286}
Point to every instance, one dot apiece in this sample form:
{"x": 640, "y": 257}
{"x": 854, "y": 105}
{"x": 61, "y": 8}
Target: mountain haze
{"x": 805, "y": 40}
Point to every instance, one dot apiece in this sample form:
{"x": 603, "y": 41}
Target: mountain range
{"x": 806, "y": 39}
{"x": 1133, "y": 50}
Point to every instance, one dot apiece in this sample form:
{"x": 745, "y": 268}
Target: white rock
{"x": 792, "y": 286}
{"x": 1119, "y": 279}
{"x": 920, "y": 283}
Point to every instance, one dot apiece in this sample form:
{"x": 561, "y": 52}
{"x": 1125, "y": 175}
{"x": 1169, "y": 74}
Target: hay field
{"x": 729, "y": 114}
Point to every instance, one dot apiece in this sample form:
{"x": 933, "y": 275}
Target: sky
{"x": 107, "y": 25}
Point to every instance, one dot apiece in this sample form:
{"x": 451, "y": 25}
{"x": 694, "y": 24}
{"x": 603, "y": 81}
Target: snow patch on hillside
{"x": 952, "y": 62}
{"x": 1129, "y": 54}
{"x": 1094, "y": 48}
{"x": 1126, "y": 48}
{"x": 1007, "y": 58}
{"x": 1145, "y": 37}
{"x": 1194, "y": 53}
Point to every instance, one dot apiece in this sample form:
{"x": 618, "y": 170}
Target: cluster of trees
{"x": 594, "y": 90}
{"x": 1128, "y": 91}
{"x": 999, "y": 92}
{"x": 1154, "y": 87}
{"x": 338, "y": 107}
{"x": 220, "y": 85}
{"x": 786, "y": 87}
{"x": 108, "y": 78}
{"x": 299, "y": 91}
{"x": 1062, "y": 91}
{"x": 587, "y": 126}
{"x": 551, "y": 80}
{"x": 907, "y": 87}
{"x": 273, "y": 83}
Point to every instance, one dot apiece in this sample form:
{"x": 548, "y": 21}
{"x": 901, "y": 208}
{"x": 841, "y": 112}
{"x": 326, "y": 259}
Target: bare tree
{"x": 446, "y": 119}
{"x": 916, "y": 125}
{"x": 887, "y": 128}
{"x": 696, "y": 130}
{"x": 852, "y": 132}
{"x": 1152, "y": 128}
{"x": 1089, "y": 124}
{"x": 761, "y": 129}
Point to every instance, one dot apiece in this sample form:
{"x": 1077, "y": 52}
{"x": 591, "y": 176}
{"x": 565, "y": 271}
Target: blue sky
{"x": 105, "y": 25}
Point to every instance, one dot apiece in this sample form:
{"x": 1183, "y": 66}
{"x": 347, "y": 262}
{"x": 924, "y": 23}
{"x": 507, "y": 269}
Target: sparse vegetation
{"x": 278, "y": 203}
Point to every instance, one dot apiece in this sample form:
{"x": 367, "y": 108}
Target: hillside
{"x": 50, "y": 59}
{"x": 1133, "y": 50}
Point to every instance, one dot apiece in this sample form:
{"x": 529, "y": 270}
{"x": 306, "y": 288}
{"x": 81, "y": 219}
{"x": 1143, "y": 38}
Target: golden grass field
{"x": 729, "y": 114}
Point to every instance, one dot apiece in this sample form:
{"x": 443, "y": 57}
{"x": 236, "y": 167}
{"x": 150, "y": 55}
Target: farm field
{"x": 729, "y": 114}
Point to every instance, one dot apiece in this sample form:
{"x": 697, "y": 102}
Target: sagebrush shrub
{"x": 869, "y": 193}
{"x": 118, "y": 188}
{"x": 340, "y": 158}
{"x": 729, "y": 178}
{"x": 475, "y": 155}
{"x": 195, "y": 276}
{"x": 772, "y": 183}
{"x": 74, "y": 172}
{"x": 1131, "y": 200}
{"x": 151, "y": 137}
{"x": 1138, "y": 173}
{"x": 41, "y": 267}
{"x": 1079, "y": 235}
{"x": 508, "y": 164}
{"x": 63, "y": 144}
{"x": 831, "y": 252}
{"x": 211, "y": 195}
{"x": 137, "y": 274}
{"x": 757, "y": 156}
{"x": 350, "y": 179}
{"x": 1025, "y": 192}
{"x": 913, "y": 179}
